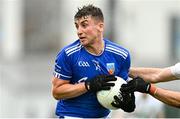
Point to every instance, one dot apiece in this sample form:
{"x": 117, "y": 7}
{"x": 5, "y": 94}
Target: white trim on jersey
{"x": 72, "y": 49}
{"x": 72, "y": 46}
{"x": 116, "y": 49}
{"x": 58, "y": 75}
{"x": 57, "y": 66}
{"x": 115, "y": 53}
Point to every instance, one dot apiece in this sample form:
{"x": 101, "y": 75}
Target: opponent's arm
{"x": 138, "y": 84}
{"x": 152, "y": 75}
{"x": 168, "y": 97}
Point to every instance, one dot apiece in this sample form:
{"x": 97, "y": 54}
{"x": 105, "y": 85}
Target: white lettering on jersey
{"x": 83, "y": 64}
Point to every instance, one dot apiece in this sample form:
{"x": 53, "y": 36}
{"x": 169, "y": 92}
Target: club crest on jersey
{"x": 110, "y": 67}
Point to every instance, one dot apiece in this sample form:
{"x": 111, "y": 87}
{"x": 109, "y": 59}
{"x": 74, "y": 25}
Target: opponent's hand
{"x": 125, "y": 101}
{"x": 137, "y": 84}
{"x": 100, "y": 82}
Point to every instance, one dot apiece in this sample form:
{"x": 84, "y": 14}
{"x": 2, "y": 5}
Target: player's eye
{"x": 84, "y": 25}
{"x": 76, "y": 26}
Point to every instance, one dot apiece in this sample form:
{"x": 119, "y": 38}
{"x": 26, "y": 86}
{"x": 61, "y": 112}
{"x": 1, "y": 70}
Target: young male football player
{"x": 86, "y": 66}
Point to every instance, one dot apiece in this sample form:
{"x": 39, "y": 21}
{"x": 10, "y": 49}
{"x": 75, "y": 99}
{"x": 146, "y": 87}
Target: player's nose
{"x": 79, "y": 32}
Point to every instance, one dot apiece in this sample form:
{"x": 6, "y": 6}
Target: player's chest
{"x": 90, "y": 65}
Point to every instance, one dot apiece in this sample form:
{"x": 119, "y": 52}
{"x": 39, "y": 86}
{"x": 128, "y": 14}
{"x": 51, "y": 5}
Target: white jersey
{"x": 175, "y": 70}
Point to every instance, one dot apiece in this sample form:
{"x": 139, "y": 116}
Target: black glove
{"x": 137, "y": 84}
{"x": 100, "y": 83}
{"x": 125, "y": 101}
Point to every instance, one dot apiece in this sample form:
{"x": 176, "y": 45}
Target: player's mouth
{"x": 82, "y": 38}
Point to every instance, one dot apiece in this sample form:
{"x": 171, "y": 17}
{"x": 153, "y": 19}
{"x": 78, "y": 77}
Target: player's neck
{"x": 97, "y": 48}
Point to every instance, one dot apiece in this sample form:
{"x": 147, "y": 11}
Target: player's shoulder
{"x": 71, "y": 48}
{"x": 116, "y": 48}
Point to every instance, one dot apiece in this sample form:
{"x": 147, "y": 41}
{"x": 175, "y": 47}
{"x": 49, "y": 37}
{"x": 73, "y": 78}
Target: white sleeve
{"x": 175, "y": 70}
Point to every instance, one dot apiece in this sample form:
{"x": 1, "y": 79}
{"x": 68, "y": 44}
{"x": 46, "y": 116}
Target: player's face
{"x": 89, "y": 30}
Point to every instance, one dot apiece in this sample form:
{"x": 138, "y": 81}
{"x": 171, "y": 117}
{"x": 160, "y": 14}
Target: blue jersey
{"x": 76, "y": 64}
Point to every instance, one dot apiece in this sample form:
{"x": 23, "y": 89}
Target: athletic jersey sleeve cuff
{"x": 175, "y": 70}
{"x": 61, "y": 76}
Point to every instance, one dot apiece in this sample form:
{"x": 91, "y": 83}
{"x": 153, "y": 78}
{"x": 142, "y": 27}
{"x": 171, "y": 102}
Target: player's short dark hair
{"x": 89, "y": 10}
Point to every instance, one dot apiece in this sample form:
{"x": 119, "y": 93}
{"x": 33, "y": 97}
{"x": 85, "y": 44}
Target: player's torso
{"x": 84, "y": 66}
{"x": 87, "y": 66}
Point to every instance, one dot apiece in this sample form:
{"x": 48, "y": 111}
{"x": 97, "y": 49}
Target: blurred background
{"x": 33, "y": 31}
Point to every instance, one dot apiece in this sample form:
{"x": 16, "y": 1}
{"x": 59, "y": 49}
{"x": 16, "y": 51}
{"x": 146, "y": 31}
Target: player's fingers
{"x": 117, "y": 99}
{"x": 109, "y": 84}
{"x": 133, "y": 96}
{"x": 124, "y": 85}
{"x": 106, "y": 88}
{"x": 128, "y": 89}
{"x": 132, "y": 81}
{"x": 110, "y": 78}
{"x": 127, "y": 85}
{"x": 113, "y": 79}
{"x": 125, "y": 89}
{"x": 116, "y": 104}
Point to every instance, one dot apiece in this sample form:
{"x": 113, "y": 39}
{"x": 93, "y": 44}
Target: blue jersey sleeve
{"x": 125, "y": 67}
{"x": 62, "y": 69}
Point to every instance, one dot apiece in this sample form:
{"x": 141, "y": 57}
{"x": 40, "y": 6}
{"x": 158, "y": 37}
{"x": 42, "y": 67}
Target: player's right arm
{"x": 62, "y": 89}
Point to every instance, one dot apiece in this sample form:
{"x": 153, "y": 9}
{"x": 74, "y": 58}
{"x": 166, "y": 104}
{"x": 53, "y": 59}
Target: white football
{"x": 106, "y": 97}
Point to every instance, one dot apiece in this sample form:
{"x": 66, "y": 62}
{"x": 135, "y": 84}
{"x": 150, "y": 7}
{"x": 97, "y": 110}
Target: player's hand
{"x": 100, "y": 82}
{"x": 137, "y": 84}
{"x": 125, "y": 101}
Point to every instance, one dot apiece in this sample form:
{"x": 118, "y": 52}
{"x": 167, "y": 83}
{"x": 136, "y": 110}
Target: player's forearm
{"x": 169, "y": 97}
{"x": 148, "y": 74}
{"x": 69, "y": 91}
{"x": 155, "y": 75}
